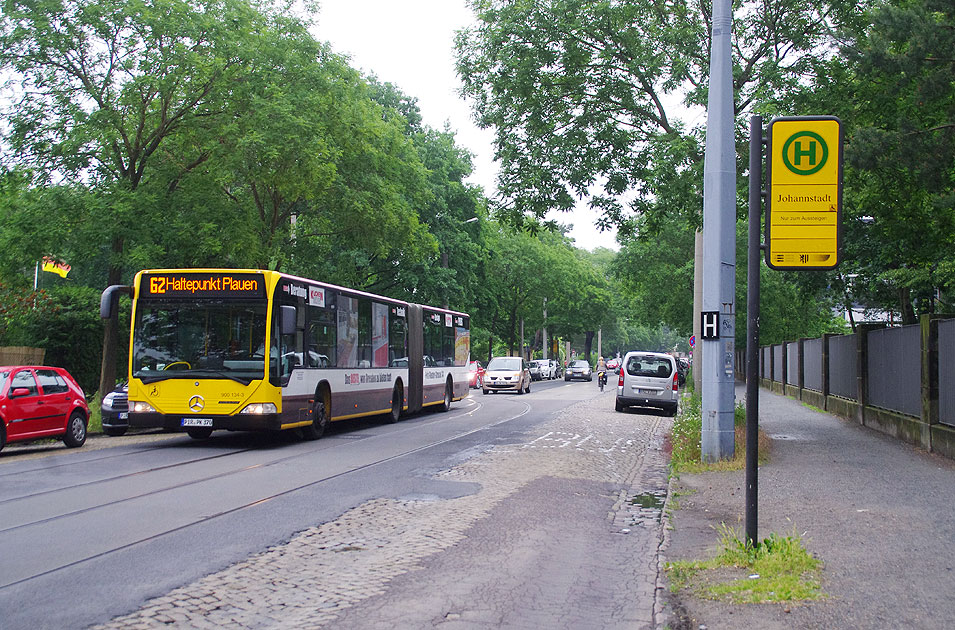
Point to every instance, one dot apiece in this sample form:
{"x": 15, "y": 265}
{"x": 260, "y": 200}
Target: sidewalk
{"x": 878, "y": 513}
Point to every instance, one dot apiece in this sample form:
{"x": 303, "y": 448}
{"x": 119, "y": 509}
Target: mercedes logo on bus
{"x": 196, "y": 403}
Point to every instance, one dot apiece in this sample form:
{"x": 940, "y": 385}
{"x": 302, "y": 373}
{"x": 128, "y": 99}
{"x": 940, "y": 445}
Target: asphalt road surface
{"x": 531, "y": 511}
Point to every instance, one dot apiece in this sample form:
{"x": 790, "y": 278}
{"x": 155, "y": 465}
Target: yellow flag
{"x": 60, "y": 269}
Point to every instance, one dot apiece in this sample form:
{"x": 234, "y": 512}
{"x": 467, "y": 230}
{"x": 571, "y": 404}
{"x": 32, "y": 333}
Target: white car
{"x": 541, "y": 369}
{"x": 648, "y": 379}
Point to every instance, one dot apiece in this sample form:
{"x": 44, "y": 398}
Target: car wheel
{"x": 567, "y": 378}
{"x": 113, "y": 432}
{"x": 319, "y": 419}
{"x": 397, "y": 398}
{"x": 617, "y": 406}
{"x": 484, "y": 391}
{"x": 528, "y": 390}
{"x": 199, "y": 433}
{"x": 446, "y": 403}
{"x": 75, "y": 434}
{"x": 3, "y": 436}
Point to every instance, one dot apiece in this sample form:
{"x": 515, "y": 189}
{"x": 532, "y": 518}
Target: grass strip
{"x": 776, "y": 569}
{"x": 684, "y": 442}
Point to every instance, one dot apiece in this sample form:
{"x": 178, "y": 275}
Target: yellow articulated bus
{"x": 245, "y": 349}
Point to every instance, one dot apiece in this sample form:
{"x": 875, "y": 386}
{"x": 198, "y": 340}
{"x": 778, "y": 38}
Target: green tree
{"x": 656, "y": 270}
{"x": 585, "y": 96}
{"x": 891, "y": 86}
{"x": 104, "y": 85}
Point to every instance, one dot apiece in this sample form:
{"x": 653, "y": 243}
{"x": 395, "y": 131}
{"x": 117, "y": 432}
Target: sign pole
{"x": 754, "y": 258}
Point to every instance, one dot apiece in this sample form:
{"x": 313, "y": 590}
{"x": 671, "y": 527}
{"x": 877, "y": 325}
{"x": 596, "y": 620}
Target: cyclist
{"x": 601, "y": 373}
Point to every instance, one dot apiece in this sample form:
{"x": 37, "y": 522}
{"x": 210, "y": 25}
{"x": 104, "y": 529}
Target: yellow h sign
{"x": 804, "y": 208}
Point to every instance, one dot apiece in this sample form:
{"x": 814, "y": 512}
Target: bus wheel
{"x": 199, "y": 433}
{"x": 397, "y": 397}
{"x": 446, "y": 405}
{"x": 319, "y": 419}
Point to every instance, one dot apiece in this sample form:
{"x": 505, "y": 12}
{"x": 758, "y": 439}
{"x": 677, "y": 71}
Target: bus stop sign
{"x": 804, "y": 205}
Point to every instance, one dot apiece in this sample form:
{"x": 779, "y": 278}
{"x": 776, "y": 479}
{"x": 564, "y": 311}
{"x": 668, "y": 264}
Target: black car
{"x": 115, "y": 411}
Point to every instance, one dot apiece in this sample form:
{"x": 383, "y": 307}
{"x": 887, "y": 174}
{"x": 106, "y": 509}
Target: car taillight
{"x": 675, "y": 381}
{"x": 620, "y": 380}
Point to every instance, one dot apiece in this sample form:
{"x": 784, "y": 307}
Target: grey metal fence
{"x": 812, "y": 364}
{"x": 946, "y": 371}
{"x": 842, "y": 366}
{"x": 778, "y": 363}
{"x": 894, "y": 369}
{"x": 792, "y": 363}
{"x": 766, "y": 364}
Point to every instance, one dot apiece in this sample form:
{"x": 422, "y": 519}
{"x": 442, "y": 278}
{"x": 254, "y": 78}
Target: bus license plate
{"x": 197, "y": 422}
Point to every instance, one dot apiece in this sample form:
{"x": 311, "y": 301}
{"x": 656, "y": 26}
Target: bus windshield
{"x": 199, "y": 339}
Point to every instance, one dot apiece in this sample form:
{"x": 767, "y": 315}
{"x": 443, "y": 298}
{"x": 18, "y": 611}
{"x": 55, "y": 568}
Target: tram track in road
{"x": 524, "y": 409}
{"x": 115, "y": 477}
{"x": 169, "y": 466}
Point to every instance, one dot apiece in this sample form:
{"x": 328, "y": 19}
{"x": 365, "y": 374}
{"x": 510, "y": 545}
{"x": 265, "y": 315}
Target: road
{"x": 507, "y": 511}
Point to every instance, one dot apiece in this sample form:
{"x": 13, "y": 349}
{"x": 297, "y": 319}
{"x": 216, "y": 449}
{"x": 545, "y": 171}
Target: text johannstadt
{"x": 798, "y": 198}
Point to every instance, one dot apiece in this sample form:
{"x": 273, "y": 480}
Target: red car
{"x": 475, "y": 375}
{"x": 37, "y": 402}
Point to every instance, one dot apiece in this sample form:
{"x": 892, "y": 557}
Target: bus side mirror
{"x": 287, "y": 319}
{"x": 110, "y": 298}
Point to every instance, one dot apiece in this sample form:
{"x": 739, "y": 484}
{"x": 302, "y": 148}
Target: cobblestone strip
{"x": 325, "y": 569}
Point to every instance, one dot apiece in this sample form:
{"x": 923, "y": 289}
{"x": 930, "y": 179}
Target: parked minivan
{"x": 648, "y": 379}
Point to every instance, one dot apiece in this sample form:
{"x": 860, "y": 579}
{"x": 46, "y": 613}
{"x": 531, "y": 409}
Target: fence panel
{"x": 946, "y": 372}
{"x": 812, "y": 364}
{"x": 842, "y": 366}
{"x": 778, "y": 363}
{"x": 792, "y": 363}
{"x": 766, "y": 363}
{"x": 894, "y": 369}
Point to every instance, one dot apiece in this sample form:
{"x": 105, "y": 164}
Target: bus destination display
{"x": 247, "y": 285}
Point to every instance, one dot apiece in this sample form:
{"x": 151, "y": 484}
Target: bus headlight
{"x": 141, "y": 407}
{"x": 261, "y": 408}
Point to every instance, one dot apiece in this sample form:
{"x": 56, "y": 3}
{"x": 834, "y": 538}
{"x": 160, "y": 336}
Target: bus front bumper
{"x": 175, "y": 422}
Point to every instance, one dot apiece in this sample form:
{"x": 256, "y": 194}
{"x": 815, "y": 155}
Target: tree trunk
{"x": 107, "y": 375}
{"x": 511, "y": 325}
{"x": 908, "y": 311}
{"x": 588, "y": 344}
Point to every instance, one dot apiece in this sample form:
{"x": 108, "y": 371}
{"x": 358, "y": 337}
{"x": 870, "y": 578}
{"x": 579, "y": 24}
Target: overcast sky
{"x": 411, "y": 43}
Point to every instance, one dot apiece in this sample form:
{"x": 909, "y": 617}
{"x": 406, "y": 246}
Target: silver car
{"x": 648, "y": 379}
{"x": 505, "y": 374}
{"x": 579, "y": 369}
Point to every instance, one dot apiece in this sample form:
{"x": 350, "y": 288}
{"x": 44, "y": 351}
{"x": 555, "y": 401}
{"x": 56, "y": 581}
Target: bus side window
{"x": 447, "y": 346}
{"x": 320, "y": 336}
{"x": 397, "y": 347}
{"x": 364, "y": 333}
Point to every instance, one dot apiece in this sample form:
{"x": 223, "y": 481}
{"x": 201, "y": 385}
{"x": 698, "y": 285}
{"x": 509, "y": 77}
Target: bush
{"x": 65, "y": 322}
